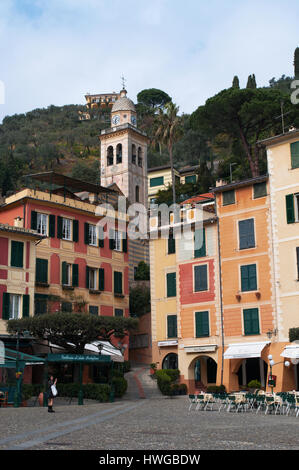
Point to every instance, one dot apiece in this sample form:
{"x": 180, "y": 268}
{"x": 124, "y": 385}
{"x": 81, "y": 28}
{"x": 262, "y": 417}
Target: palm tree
{"x": 168, "y": 131}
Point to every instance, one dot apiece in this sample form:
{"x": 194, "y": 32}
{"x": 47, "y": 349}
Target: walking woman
{"x": 51, "y": 382}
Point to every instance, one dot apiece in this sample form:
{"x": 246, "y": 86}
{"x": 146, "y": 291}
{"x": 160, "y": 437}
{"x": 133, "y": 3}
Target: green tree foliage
{"x": 140, "y": 300}
{"x": 153, "y": 98}
{"x": 67, "y": 329}
{"x": 242, "y": 117}
{"x": 236, "y": 83}
{"x": 142, "y": 272}
{"x": 251, "y": 82}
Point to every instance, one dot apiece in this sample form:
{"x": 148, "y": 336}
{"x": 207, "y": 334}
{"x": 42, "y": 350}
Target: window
{"x": 228, "y": 197}
{"x": 92, "y": 279}
{"x": 41, "y": 271}
{"x": 115, "y": 239}
{"x": 199, "y": 243}
{"x": 251, "y": 321}
{"x": 134, "y": 154}
{"x": 14, "y": 306}
{"x": 118, "y": 312}
{"x": 172, "y": 326}
{"x": 259, "y": 190}
{"x": 200, "y": 278}
{"x": 171, "y": 284}
{"x": 202, "y": 327}
{"x": 92, "y": 235}
{"x": 248, "y": 278}
{"x": 292, "y": 208}
{"x": 17, "y": 254}
{"x": 190, "y": 179}
{"x": 158, "y": 181}
{"x": 137, "y": 193}
{"x": 40, "y": 304}
{"x": 119, "y": 153}
{"x": 42, "y": 223}
{"x": 94, "y": 310}
{"x": 66, "y": 274}
{"x": 139, "y": 157}
{"x": 66, "y": 307}
{"x": 118, "y": 282}
{"x": 295, "y": 154}
{"x": 297, "y": 255}
{"x": 110, "y": 156}
{"x": 66, "y": 229}
{"x": 246, "y": 234}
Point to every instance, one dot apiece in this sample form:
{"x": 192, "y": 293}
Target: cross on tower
{"x": 123, "y": 81}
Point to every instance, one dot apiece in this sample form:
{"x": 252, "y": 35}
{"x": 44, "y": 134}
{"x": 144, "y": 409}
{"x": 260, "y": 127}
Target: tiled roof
{"x": 21, "y": 230}
{"x": 199, "y": 198}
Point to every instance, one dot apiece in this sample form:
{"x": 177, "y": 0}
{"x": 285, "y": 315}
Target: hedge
{"x": 120, "y": 386}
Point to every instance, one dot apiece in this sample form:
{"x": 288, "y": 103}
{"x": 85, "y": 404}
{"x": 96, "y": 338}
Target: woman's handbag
{"x": 54, "y": 390}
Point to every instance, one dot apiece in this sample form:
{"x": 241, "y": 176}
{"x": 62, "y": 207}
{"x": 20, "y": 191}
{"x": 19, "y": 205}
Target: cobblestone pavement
{"x": 153, "y": 423}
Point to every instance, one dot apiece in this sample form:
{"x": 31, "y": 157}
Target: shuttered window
{"x": 26, "y": 303}
{"x": 171, "y": 244}
{"x": 228, "y": 197}
{"x": 172, "y": 326}
{"x": 75, "y": 275}
{"x": 251, "y": 321}
{"x": 171, "y": 284}
{"x": 118, "y": 312}
{"x": 40, "y": 304}
{"x": 259, "y": 190}
{"x": 41, "y": 270}
{"x": 101, "y": 279}
{"x": 248, "y": 277}
{"x": 202, "y": 327}
{"x": 290, "y": 208}
{"x": 158, "y": 181}
{"x": 297, "y": 255}
{"x": 17, "y": 254}
{"x": 66, "y": 274}
{"x": 94, "y": 310}
{"x": 295, "y": 154}
{"x": 199, "y": 243}
{"x": 75, "y": 230}
{"x": 246, "y": 234}
{"x": 200, "y": 278}
{"x": 118, "y": 282}
{"x": 190, "y": 179}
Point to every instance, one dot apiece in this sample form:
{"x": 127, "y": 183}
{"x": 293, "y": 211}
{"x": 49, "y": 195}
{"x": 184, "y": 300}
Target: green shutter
{"x": 87, "y": 277}
{"x": 52, "y": 225}
{"x": 59, "y": 227}
{"x": 190, "y": 179}
{"x": 251, "y": 321}
{"x": 5, "y": 306}
{"x": 228, "y": 197}
{"x": 199, "y": 243}
{"x": 118, "y": 312}
{"x": 33, "y": 220}
{"x": 259, "y": 190}
{"x": 158, "y": 181}
{"x": 86, "y": 233}
{"x": 202, "y": 324}
{"x": 246, "y": 234}
{"x": 17, "y": 254}
{"x": 75, "y": 230}
{"x": 201, "y": 278}
{"x": 75, "y": 275}
{"x": 290, "y": 208}
{"x": 297, "y": 255}
{"x": 26, "y": 300}
{"x": 172, "y": 326}
{"x": 41, "y": 270}
{"x": 101, "y": 279}
{"x": 125, "y": 242}
{"x": 118, "y": 288}
{"x": 111, "y": 239}
{"x": 171, "y": 244}
{"x": 171, "y": 284}
{"x": 64, "y": 273}
{"x": 248, "y": 278}
{"x": 295, "y": 154}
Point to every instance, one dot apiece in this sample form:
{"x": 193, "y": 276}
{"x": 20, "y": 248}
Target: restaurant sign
{"x": 78, "y": 358}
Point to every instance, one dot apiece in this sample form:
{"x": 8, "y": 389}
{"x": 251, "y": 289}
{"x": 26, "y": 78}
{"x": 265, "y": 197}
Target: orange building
{"x": 248, "y": 303}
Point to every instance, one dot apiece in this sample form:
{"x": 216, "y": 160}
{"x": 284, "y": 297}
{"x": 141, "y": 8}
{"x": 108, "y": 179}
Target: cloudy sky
{"x": 54, "y": 51}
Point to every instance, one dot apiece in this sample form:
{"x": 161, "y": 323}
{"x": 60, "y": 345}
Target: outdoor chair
{"x": 297, "y": 405}
{"x": 200, "y": 401}
{"x": 231, "y": 399}
{"x": 250, "y": 401}
{"x": 290, "y": 403}
{"x": 192, "y": 401}
{"x": 260, "y": 402}
{"x": 269, "y": 403}
{"x": 209, "y": 401}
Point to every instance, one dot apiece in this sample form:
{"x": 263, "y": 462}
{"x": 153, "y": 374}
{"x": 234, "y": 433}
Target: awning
{"x": 244, "y": 350}
{"x": 291, "y": 351}
{"x": 106, "y": 349}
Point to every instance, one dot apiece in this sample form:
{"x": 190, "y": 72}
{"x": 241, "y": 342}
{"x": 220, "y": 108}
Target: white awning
{"x": 291, "y": 351}
{"x": 107, "y": 349}
{"x": 244, "y": 350}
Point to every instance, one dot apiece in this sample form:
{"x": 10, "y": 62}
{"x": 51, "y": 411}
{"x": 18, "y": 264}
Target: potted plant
{"x": 254, "y": 385}
{"x": 153, "y": 368}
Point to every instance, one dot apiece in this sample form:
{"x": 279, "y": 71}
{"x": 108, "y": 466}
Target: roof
{"x": 239, "y": 184}
{"x": 20, "y": 230}
{"x": 199, "y": 198}
{"x": 62, "y": 180}
{"x": 187, "y": 169}
{"x": 158, "y": 168}
{"x": 123, "y": 104}
{"x": 279, "y": 138}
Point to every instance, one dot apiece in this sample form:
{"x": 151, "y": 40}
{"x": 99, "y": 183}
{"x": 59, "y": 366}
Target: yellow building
{"x": 283, "y": 168}
{"x": 100, "y": 100}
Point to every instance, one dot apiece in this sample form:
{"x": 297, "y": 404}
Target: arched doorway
{"x": 254, "y": 368}
{"x": 170, "y": 361}
{"x": 204, "y": 371}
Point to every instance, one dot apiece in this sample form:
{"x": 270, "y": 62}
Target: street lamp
{"x": 272, "y": 364}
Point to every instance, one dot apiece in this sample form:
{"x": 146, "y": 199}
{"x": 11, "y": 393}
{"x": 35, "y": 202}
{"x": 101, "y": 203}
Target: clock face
{"x": 133, "y": 120}
{"x": 115, "y": 119}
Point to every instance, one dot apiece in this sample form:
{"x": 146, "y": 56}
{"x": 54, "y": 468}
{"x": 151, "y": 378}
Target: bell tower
{"x": 124, "y": 152}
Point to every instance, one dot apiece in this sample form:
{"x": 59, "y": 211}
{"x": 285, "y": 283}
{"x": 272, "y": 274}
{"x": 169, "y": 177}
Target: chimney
{"x": 220, "y": 183}
{"x": 19, "y": 222}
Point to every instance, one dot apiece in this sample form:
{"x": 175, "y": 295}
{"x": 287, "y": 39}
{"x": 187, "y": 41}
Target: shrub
{"x": 164, "y": 383}
{"x": 127, "y": 366}
{"x": 254, "y": 384}
{"x": 120, "y": 386}
{"x": 216, "y": 389}
{"x": 99, "y": 392}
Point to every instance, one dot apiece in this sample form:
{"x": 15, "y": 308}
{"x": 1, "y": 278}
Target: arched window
{"x": 134, "y": 154}
{"x": 110, "y": 156}
{"x": 139, "y": 157}
{"x": 137, "y": 194}
{"x": 170, "y": 361}
{"x": 119, "y": 153}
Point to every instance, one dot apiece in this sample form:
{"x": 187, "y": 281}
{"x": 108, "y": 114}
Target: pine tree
{"x": 251, "y": 82}
{"x": 236, "y": 83}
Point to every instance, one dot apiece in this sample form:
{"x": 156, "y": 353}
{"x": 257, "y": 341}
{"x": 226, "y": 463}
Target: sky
{"x": 55, "y": 51}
